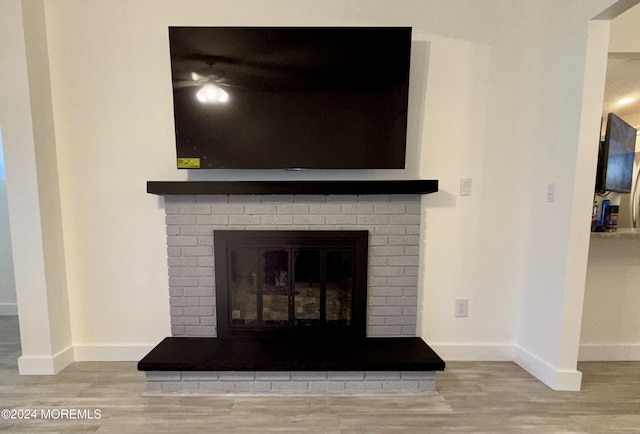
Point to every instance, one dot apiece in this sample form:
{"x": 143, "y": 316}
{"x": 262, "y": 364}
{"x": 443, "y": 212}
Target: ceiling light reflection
{"x": 212, "y": 94}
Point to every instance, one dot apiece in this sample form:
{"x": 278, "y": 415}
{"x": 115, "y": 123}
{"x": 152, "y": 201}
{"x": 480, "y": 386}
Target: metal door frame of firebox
{"x": 259, "y": 239}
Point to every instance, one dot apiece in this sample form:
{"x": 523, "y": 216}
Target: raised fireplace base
{"x": 291, "y": 366}
{"x": 290, "y": 382}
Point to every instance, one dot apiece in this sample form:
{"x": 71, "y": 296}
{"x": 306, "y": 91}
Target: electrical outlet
{"x": 461, "y": 308}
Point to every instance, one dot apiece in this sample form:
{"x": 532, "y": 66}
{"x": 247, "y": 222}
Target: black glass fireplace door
{"x": 293, "y": 282}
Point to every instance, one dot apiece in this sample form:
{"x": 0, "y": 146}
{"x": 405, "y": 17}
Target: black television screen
{"x": 290, "y": 97}
{"x": 617, "y": 153}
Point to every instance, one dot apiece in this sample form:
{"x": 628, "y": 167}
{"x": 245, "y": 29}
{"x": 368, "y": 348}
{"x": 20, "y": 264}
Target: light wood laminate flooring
{"x": 471, "y": 397}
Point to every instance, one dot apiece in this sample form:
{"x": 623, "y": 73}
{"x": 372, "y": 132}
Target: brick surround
{"x": 291, "y": 382}
{"x": 393, "y": 222}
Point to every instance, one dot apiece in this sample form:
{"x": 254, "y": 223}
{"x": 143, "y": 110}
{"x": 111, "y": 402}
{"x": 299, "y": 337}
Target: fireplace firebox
{"x": 291, "y": 283}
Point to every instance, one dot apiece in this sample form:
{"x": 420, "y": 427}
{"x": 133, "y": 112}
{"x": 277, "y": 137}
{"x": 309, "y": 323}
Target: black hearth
{"x": 291, "y": 283}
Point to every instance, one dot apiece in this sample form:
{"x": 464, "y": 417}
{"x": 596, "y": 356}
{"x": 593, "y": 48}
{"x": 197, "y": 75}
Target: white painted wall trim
{"x": 556, "y": 379}
{"x": 609, "y": 352}
{"x": 45, "y": 365}
{"x": 111, "y": 353}
{"x": 494, "y": 352}
{"x": 8, "y": 309}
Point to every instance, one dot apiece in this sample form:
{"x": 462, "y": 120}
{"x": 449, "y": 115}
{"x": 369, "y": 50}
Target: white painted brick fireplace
{"x": 393, "y": 222}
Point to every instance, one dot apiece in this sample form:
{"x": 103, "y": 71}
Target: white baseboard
{"x": 609, "y": 353}
{"x": 556, "y": 379}
{"x": 474, "y": 352}
{"x": 45, "y": 365}
{"x": 51, "y": 365}
{"x": 111, "y": 353}
{"x": 8, "y": 309}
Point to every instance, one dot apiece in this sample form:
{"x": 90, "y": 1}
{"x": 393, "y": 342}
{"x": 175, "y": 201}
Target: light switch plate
{"x": 465, "y": 187}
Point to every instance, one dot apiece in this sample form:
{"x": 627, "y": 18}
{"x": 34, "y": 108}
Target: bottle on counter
{"x": 603, "y": 211}
{"x": 611, "y": 218}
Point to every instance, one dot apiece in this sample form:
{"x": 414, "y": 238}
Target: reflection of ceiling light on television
{"x": 212, "y": 94}
{"x": 627, "y": 100}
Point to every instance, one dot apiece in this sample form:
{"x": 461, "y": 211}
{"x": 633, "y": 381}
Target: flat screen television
{"x": 616, "y": 156}
{"x": 290, "y": 97}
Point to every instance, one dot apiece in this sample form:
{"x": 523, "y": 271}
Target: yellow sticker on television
{"x": 188, "y": 163}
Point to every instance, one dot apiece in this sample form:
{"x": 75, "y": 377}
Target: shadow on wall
{"x": 8, "y": 304}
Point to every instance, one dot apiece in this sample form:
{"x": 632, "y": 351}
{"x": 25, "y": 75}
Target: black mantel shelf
{"x": 162, "y": 188}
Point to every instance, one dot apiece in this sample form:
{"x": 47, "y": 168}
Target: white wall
{"x": 466, "y": 237}
{"x": 47, "y": 169}
{"x": 496, "y": 96}
{"x": 44, "y": 327}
